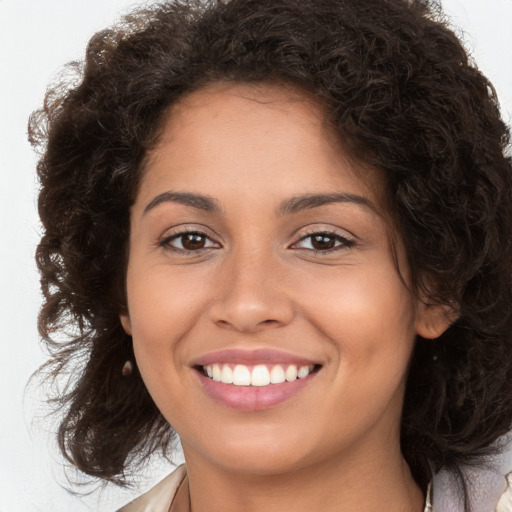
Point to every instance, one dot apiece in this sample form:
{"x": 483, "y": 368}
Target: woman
{"x": 282, "y": 230}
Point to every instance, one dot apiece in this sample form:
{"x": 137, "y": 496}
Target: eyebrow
{"x": 288, "y": 207}
{"x": 309, "y": 201}
{"x": 198, "y": 201}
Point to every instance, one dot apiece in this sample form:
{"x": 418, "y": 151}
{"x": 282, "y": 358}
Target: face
{"x": 269, "y": 322}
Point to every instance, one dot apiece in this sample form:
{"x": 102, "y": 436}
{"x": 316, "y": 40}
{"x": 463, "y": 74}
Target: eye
{"x": 323, "y": 242}
{"x": 188, "y": 241}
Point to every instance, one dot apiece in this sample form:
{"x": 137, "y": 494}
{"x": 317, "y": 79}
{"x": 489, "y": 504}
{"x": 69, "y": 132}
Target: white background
{"x": 36, "y": 38}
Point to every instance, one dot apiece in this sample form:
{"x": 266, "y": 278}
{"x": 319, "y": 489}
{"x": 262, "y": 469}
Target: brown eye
{"x": 188, "y": 242}
{"x": 322, "y": 242}
{"x": 193, "y": 241}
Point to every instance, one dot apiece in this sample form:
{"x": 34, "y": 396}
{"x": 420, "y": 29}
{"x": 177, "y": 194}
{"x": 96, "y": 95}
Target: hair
{"x": 398, "y": 88}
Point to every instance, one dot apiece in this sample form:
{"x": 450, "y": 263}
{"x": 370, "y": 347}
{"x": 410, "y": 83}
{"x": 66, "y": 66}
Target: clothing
{"x": 505, "y": 503}
{"x": 160, "y": 497}
{"x": 487, "y": 485}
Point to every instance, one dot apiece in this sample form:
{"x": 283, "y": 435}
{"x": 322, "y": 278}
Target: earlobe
{"x": 434, "y": 319}
{"x": 126, "y": 323}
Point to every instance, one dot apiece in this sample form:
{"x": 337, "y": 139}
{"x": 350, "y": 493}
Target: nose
{"x": 252, "y": 295}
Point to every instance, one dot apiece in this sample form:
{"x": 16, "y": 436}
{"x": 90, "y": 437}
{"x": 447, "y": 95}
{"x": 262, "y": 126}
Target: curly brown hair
{"x": 397, "y": 84}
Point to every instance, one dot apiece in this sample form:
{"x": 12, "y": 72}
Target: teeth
{"x": 216, "y": 372}
{"x": 259, "y": 376}
{"x": 291, "y": 373}
{"x": 277, "y": 375}
{"x": 303, "y": 372}
{"x": 226, "y": 375}
{"x": 241, "y": 375}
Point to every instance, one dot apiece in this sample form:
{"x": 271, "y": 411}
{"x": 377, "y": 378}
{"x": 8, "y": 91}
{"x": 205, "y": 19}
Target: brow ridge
{"x": 198, "y": 201}
{"x": 309, "y": 201}
{"x": 289, "y": 206}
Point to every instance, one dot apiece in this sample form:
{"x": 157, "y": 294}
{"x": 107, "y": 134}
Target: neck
{"x": 341, "y": 484}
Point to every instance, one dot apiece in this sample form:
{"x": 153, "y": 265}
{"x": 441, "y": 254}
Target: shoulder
{"x": 488, "y": 489}
{"x": 505, "y": 503}
{"x": 159, "y": 497}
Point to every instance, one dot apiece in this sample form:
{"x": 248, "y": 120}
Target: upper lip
{"x": 252, "y": 357}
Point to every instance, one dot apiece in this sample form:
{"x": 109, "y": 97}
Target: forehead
{"x": 227, "y": 135}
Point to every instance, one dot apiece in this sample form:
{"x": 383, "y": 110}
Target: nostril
{"x": 223, "y": 323}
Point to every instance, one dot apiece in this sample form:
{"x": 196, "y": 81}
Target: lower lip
{"x": 253, "y": 398}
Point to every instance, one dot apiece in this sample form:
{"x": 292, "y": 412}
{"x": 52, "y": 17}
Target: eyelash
{"x": 166, "y": 242}
{"x": 345, "y": 242}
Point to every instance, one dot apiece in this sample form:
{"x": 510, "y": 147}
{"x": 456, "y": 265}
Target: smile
{"x": 259, "y": 375}
{"x": 254, "y": 380}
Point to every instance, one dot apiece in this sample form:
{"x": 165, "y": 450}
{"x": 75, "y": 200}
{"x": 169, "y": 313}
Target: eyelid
{"x": 178, "y": 231}
{"x": 347, "y": 239}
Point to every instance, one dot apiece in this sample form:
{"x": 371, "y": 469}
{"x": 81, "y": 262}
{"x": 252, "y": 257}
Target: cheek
{"x": 369, "y": 319}
{"x": 164, "y": 308}
{"x": 162, "y": 302}
{"x": 351, "y": 303}
{"x": 162, "y": 314}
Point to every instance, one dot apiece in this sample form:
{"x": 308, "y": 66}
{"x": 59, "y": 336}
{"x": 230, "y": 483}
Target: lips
{"x": 254, "y": 380}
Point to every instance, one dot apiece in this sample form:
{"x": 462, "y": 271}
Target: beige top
{"x": 160, "y": 497}
{"x": 505, "y": 503}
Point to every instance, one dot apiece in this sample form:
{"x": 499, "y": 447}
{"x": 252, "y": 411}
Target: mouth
{"x": 256, "y": 375}
{"x": 254, "y": 380}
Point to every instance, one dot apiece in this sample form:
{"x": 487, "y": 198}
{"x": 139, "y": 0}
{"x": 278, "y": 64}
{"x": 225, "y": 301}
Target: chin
{"x": 257, "y": 454}
{"x": 262, "y": 463}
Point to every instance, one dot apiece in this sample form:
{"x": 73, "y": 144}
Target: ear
{"x": 126, "y": 322}
{"x": 432, "y": 320}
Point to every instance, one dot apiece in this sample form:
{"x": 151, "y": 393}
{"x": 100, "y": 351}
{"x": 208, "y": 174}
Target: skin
{"x": 258, "y": 283}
